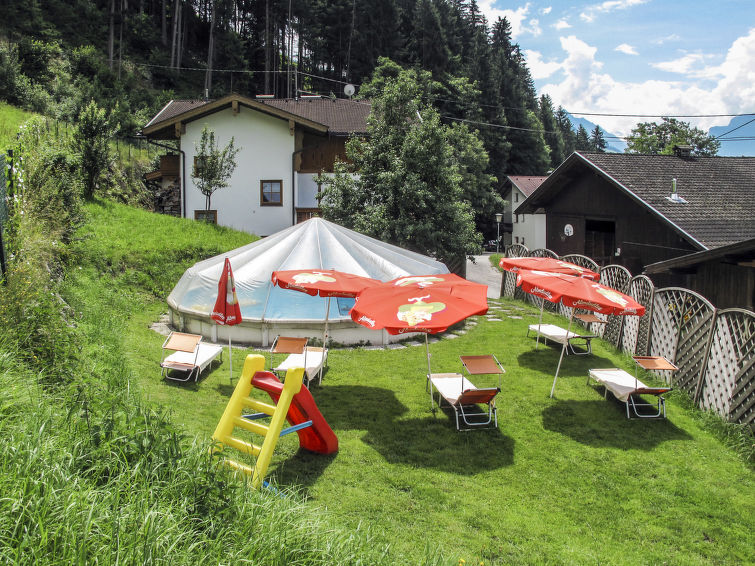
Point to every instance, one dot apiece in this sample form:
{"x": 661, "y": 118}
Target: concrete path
{"x": 482, "y": 272}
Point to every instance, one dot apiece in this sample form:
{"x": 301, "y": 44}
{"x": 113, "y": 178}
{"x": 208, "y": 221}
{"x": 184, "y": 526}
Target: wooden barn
{"x": 634, "y": 210}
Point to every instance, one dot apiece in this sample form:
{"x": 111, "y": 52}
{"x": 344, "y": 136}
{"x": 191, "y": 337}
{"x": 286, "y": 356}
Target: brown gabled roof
{"x": 337, "y": 117}
{"x": 527, "y": 183}
{"x": 719, "y": 191}
{"x": 341, "y": 116}
{"x": 742, "y": 253}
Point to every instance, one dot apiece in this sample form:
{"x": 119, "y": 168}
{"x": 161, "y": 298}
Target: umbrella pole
{"x": 539, "y": 323}
{"x": 230, "y": 354}
{"x": 563, "y": 349}
{"x": 429, "y": 371}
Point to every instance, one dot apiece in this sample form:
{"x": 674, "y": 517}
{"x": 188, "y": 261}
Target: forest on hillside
{"x": 133, "y": 55}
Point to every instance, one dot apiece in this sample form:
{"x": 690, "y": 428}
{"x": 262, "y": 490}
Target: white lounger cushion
{"x": 315, "y": 359}
{"x": 207, "y": 353}
{"x": 451, "y": 385}
{"x": 618, "y": 382}
{"x": 553, "y": 332}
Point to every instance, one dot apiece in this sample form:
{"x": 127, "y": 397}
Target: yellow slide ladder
{"x": 233, "y": 417}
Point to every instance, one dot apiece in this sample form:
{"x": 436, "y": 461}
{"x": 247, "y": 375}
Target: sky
{"x": 653, "y": 57}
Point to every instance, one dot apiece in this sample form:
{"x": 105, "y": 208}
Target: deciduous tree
{"x": 653, "y": 138}
{"x": 214, "y": 166}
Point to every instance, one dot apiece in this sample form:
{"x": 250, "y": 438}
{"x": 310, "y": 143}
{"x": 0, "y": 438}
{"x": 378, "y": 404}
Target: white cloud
{"x": 666, "y": 39}
{"x": 547, "y": 10}
{"x": 626, "y": 49}
{"x": 562, "y": 24}
{"x": 587, "y": 88}
{"x": 517, "y": 18}
{"x": 540, "y": 69}
{"x": 591, "y": 12}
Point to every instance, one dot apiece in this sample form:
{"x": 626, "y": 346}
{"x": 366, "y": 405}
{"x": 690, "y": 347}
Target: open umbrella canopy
{"x": 516, "y": 264}
{"x": 578, "y": 292}
{"x": 323, "y": 282}
{"x": 428, "y": 304}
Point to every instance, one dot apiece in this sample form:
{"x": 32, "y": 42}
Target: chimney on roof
{"x": 683, "y": 151}
{"x": 674, "y": 195}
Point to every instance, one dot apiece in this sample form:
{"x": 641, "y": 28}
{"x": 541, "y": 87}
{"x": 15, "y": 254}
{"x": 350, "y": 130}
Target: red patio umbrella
{"x": 325, "y": 283}
{"x": 549, "y": 264}
{"x": 226, "y": 310}
{"x": 553, "y": 265}
{"x": 426, "y": 304}
{"x": 577, "y": 292}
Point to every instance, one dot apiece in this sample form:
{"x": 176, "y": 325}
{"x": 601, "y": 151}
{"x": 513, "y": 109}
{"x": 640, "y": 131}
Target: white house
{"x": 284, "y": 145}
{"x": 525, "y": 229}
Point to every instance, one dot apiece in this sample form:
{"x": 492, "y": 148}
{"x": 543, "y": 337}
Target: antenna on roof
{"x": 349, "y": 90}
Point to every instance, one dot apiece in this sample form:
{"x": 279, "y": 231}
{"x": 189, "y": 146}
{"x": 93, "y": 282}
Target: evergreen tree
{"x": 597, "y": 141}
{"x": 568, "y": 135}
{"x": 91, "y": 146}
{"x": 553, "y": 136}
{"x": 582, "y": 140}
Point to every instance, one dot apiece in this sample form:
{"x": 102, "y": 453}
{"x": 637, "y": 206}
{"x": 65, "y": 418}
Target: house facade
{"x": 284, "y": 145}
{"x": 635, "y": 210}
{"x": 520, "y": 228}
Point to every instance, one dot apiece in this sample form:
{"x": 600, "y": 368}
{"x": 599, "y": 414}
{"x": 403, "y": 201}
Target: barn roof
{"x": 526, "y": 183}
{"x": 716, "y": 204}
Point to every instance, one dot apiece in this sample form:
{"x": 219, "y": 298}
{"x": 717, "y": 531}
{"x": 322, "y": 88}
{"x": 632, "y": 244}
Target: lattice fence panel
{"x": 692, "y": 316}
{"x": 635, "y": 334}
{"x": 728, "y": 386}
{"x": 615, "y": 277}
{"x": 509, "y": 283}
{"x": 664, "y": 328}
{"x": 543, "y": 252}
{"x": 582, "y": 261}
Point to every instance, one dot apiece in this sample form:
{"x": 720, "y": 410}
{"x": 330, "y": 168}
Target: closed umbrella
{"x": 226, "y": 310}
{"x": 426, "y": 304}
{"x": 577, "y": 292}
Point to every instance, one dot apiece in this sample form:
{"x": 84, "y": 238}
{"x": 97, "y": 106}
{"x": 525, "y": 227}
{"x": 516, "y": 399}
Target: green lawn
{"x": 567, "y": 480}
{"x": 10, "y": 119}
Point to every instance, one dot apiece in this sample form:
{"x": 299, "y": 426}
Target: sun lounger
{"x": 463, "y": 396}
{"x": 561, "y": 336}
{"x": 312, "y": 360}
{"x": 627, "y": 388}
{"x": 300, "y": 355}
{"x": 190, "y": 356}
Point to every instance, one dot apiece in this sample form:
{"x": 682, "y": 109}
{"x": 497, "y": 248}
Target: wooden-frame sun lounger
{"x": 463, "y": 396}
{"x": 189, "y": 356}
{"x": 561, "y": 336}
{"x": 627, "y": 388}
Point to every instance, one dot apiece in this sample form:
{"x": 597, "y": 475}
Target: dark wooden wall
{"x": 641, "y": 236}
{"x": 319, "y": 154}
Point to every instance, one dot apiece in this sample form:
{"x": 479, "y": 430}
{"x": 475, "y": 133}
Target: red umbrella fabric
{"x": 516, "y": 264}
{"x": 227, "y": 311}
{"x": 577, "y": 292}
{"x": 427, "y": 304}
{"x": 323, "y": 282}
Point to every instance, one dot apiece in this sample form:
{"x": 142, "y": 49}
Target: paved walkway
{"x": 482, "y": 272}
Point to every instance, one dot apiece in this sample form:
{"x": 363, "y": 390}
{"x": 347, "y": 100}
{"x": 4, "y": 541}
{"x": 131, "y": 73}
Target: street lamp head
{"x": 498, "y": 217}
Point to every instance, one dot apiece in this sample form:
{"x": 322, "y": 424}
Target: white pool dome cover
{"x": 314, "y": 244}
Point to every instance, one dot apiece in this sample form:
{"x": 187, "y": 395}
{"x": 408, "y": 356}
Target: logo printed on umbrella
{"x": 539, "y": 291}
{"x": 419, "y": 311}
{"x": 612, "y": 296}
{"x": 313, "y": 277}
{"x": 420, "y": 280}
{"x": 368, "y": 320}
{"x": 580, "y": 303}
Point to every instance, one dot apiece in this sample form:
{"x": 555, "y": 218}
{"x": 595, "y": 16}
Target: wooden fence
{"x": 713, "y": 349}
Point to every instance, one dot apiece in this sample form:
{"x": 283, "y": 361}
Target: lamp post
{"x": 498, "y": 217}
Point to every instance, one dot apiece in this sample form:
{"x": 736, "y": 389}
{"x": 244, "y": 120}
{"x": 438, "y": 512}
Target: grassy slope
{"x": 10, "y": 119}
{"x": 564, "y": 480}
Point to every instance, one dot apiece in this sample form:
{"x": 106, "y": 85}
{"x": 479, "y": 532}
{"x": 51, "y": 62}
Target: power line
{"x": 735, "y": 129}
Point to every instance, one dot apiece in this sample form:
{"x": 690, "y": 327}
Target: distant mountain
{"x": 615, "y": 145}
{"x": 736, "y": 146}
